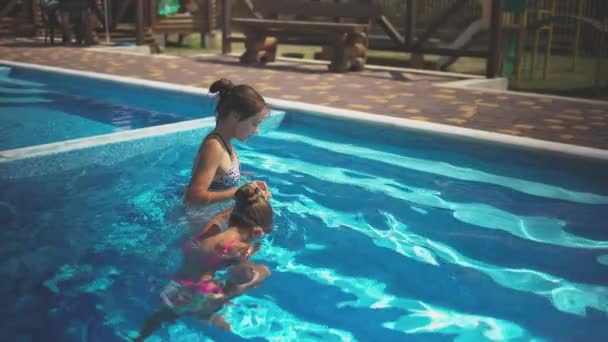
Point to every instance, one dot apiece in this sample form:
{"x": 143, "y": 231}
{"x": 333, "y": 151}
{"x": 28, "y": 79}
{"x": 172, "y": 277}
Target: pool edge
{"x": 356, "y": 116}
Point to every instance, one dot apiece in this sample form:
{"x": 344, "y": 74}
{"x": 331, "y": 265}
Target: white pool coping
{"x": 113, "y": 78}
{"x": 499, "y": 86}
{"x": 311, "y": 109}
{"x": 98, "y": 140}
{"x": 395, "y": 122}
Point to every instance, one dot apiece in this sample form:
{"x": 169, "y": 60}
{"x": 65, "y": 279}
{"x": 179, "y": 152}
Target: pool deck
{"x": 393, "y": 92}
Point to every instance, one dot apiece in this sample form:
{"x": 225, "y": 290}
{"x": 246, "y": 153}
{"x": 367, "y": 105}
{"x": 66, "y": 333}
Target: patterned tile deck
{"x": 390, "y": 93}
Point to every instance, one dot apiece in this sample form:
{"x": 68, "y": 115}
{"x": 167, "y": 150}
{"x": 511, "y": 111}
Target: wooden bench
{"x": 341, "y": 28}
{"x": 179, "y": 23}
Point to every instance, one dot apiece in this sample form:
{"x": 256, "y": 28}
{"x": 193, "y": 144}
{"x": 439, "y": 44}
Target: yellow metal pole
{"x": 577, "y": 37}
{"x": 549, "y": 42}
{"x": 600, "y": 55}
{"x": 535, "y": 46}
{"x": 105, "y": 24}
{"x": 523, "y": 22}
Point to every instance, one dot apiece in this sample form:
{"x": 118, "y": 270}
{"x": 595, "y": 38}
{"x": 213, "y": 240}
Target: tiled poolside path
{"x": 400, "y": 94}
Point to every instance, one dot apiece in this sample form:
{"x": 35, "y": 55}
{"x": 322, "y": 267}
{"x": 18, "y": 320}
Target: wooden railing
{"x": 411, "y": 42}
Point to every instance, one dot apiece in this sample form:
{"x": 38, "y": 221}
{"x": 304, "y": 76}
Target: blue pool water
{"x": 39, "y": 107}
{"x": 380, "y": 235}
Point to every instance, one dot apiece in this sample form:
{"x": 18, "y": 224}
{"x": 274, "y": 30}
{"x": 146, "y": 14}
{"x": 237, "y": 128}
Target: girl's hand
{"x": 238, "y": 251}
{"x": 248, "y": 252}
{"x": 263, "y": 187}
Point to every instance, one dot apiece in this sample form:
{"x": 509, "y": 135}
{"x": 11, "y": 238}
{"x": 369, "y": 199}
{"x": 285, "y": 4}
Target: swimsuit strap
{"x": 201, "y": 286}
{"x": 228, "y": 246}
{"x": 223, "y": 143}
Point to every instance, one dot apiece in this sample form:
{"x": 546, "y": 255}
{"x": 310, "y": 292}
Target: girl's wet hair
{"x": 241, "y": 99}
{"x": 251, "y": 209}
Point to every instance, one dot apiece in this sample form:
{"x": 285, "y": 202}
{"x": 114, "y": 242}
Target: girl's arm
{"x": 214, "y": 225}
{"x": 207, "y": 163}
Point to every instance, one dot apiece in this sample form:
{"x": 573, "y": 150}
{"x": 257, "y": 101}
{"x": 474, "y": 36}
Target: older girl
{"x": 216, "y": 172}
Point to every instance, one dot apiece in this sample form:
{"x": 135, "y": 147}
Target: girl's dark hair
{"x": 241, "y": 99}
{"x": 251, "y": 209}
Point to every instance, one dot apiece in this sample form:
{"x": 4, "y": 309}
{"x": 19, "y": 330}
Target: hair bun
{"x": 251, "y": 208}
{"x": 221, "y": 86}
{"x": 248, "y": 194}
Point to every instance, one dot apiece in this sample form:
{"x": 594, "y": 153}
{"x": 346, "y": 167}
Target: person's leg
{"x": 155, "y": 321}
{"x": 76, "y": 17}
{"x": 90, "y": 23}
{"x": 65, "y": 27}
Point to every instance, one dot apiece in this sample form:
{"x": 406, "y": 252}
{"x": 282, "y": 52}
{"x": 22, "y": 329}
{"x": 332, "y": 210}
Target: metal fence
{"x": 565, "y": 32}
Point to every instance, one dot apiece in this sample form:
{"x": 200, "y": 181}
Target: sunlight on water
{"x": 90, "y": 279}
{"x": 466, "y": 327}
{"x": 447, "y": 170}
{"x": 24, "y": 100}
{"x": 19, "y": 91}
{"x": 4, "y": 78}
{"x": 257, "y": 317}
{"x": 125, "y": 257}
{"x": 371, "y": 294}
{"x": 539, "y": 229}
{"x": 564, "y": 295}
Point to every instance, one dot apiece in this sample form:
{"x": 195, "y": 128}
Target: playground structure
{"x": 533, "y": 31}
{"x": 507, "y": 33}
{"x": 516, "y": 16}
{"x": 531, "y": 26}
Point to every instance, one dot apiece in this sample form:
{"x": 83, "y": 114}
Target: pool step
{"x": 6, "y": 78}
{"x": 4, "y": 71}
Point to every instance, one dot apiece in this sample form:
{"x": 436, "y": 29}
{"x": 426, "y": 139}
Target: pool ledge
{"x": 446, "y": 130}
{"x": 75, "y": 144}
{"x": 337, "y": 113}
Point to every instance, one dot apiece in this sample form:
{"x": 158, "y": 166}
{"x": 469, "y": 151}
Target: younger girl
{"x": 194, "y": 289}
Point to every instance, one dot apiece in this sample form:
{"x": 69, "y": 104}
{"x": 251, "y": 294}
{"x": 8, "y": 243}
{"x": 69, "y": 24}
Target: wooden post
{"x": 494, "y": 45}
{"x": 338, "y": 61}
{"x": 211, "y": 10}
{"x": 122, "y": 10}
{"x": 577, "y": 36}
{"x": 549, "y": 42}
{"x": 519, "y": 44}
{"x": 139, "y": 22}
{"x": 210, "y": 23}
{"x": 537, "y": 30}
{"x": 391, "y": 31}
{"x": 410, "y": 22}
{"x": 152, "y": 12}
{"x": 598, "y": 65}
{"x": 226, "y": 26}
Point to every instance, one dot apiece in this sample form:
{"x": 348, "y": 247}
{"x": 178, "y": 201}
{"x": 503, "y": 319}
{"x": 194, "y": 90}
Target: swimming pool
{"x": 382, "y": 234}
{"x": 39, "y": 107}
